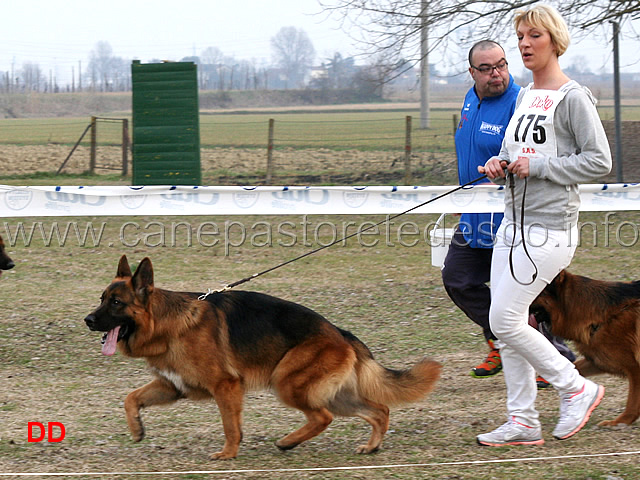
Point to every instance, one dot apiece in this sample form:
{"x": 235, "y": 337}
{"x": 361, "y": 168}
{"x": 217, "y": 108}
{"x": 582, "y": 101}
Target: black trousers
{"x": 465, "y": 277}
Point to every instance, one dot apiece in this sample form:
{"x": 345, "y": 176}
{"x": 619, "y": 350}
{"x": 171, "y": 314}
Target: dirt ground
{"x": 51, "y": 369}
{"x": 224, "y": 166}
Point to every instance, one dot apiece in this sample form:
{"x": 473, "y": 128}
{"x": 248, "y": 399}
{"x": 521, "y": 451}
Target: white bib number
{"x": 530, "y": 132}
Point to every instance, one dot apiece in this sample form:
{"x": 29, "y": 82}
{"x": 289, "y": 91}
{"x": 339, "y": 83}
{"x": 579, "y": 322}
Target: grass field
{"x": 368, "y": 131}
{"x": 51, "y": 369}
{"x": 364, "y": 130}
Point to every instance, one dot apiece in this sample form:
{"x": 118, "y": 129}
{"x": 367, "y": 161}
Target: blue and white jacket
{"x": 478, "y": 138}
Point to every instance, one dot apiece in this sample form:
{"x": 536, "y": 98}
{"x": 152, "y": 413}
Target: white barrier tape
{"x": 51, "y": 201}
{"x": 325, "y": 469}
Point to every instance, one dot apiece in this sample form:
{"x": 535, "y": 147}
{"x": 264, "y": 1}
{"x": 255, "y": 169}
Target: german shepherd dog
{"x": 603, "y": 320}
{"x": 5, "y": 261}
{"x": 230, "y": 342}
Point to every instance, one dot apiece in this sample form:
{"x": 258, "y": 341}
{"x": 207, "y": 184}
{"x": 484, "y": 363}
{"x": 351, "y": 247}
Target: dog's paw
{"x": 366, "y": 450}
{"x": 222, "y": 455}
{"x": 285, "y": 446}
{"x": 613, "y": 423}
{"x": 607, "y": 423}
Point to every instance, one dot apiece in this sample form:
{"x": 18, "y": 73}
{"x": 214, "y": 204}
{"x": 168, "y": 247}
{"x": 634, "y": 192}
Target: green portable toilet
{"x": 166, "y": 125}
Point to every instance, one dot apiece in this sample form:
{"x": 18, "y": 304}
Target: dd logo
{"x": 47, "y": 432}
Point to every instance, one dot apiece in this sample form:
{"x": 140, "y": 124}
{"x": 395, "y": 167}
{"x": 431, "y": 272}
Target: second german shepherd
{"x": 5, "y": 261}
{"x": 603, "y": 320}
{"x": 234, "y": 341}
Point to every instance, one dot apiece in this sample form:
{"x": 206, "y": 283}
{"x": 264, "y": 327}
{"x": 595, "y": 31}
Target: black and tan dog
{"x": 5, "y": 261}
{"x": 603, "y": 320}
{"x": 234, "y": 341}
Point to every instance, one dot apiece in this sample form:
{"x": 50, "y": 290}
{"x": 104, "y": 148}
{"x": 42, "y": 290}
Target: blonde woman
{"x": 554, "y": 141}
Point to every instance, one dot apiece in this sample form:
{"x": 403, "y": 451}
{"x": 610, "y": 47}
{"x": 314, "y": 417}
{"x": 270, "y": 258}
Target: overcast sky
{"x": 60, "y": 33}
{"x": 56, "y": 35}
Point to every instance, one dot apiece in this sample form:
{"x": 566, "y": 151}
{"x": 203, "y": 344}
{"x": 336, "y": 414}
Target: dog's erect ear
{"x": 143, "y": 279}
{"x": 124, "y": 270}
{"x": 552, "y": 289}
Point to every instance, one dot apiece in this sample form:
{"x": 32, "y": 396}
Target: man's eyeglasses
{"x": 488, "y": 69}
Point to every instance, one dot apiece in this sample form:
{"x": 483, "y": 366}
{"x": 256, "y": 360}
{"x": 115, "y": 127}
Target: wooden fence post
{"x": 92, "y": 157}
{"x": 270, "y": 151}
{"x": 125, "y": 146}
{"x": 407, "y": 152}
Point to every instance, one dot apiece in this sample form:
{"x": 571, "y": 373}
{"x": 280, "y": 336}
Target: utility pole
{"x": 616, "y": 97}
{"x": 424, "y": 65}
{"x": 12, "y": 74}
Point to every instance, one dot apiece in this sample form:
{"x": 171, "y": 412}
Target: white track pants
{"x": 524, "y": 350}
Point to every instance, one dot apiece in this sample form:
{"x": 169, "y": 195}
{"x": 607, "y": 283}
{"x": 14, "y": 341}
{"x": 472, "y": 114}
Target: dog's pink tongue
{"x": 111, "y": 342}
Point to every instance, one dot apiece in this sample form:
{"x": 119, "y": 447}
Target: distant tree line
{"x": 291, "y": 67}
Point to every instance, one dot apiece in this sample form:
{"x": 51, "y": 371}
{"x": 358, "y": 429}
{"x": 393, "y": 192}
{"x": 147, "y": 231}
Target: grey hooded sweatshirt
{"x": 552, "y": 198}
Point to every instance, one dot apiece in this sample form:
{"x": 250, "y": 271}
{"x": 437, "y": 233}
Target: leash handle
{"x": 341, "y": 239}
{"x": 512, "y": 187}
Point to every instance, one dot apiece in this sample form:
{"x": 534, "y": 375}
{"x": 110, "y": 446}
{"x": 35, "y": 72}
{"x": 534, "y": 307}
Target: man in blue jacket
{"x": 486, "y": 111}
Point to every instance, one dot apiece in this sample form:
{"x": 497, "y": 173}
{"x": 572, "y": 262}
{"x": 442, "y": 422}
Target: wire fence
{"x": 293, "y": 148}
{"x": 290, "y": 148}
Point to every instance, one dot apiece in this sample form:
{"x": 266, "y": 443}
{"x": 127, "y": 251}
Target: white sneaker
{"x": 576, "y": 408}
{"x": 512, "y": 433}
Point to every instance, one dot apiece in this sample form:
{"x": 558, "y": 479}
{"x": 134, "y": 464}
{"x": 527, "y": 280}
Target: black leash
{"x": 256, "y": 275}
{"x": 512, "y": 186}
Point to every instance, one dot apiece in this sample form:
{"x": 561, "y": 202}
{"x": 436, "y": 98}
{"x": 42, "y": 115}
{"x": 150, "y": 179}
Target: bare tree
{"x": 210, "y": 60}
{"x": 32, "y": 78}
{"x": 246, "y": 69}
{"x": 394, "y": 29}
{"x": 101, "y": 66}
{"x": 211, "y": 56}
{"x": 120, "y": 74}
{"x": 294, "y": 53}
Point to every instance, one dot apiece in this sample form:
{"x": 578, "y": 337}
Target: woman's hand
{"x": 494, "y": 168}
{"x": 519, "y": 167}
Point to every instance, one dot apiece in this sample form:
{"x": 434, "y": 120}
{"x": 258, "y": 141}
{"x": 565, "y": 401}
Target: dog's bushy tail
{"x": 397, "y": 387}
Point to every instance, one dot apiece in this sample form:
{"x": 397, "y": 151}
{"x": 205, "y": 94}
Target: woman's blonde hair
{"x": 547, "y": 18}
